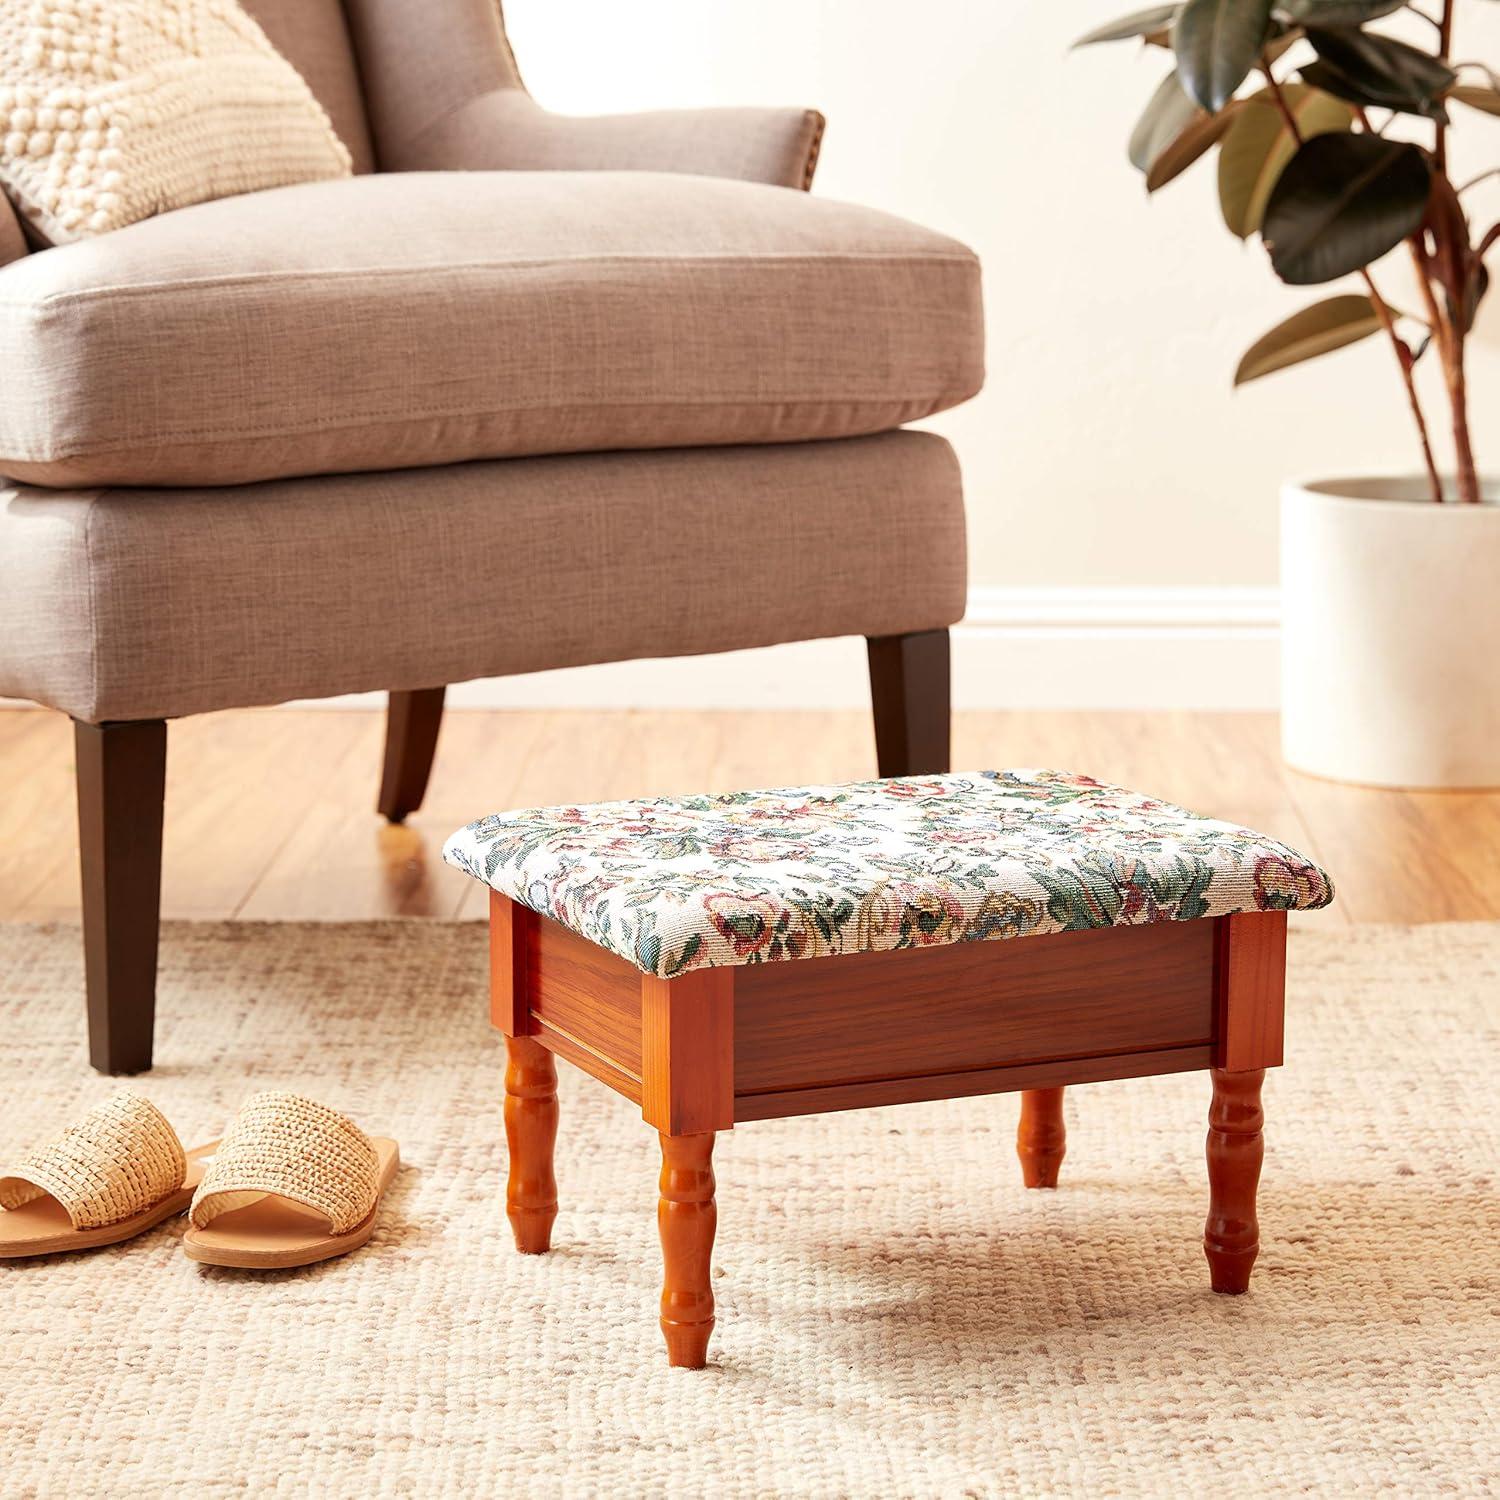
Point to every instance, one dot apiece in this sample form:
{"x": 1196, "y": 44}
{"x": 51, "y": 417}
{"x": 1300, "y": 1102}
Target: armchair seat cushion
{"x": 413, "y": 319}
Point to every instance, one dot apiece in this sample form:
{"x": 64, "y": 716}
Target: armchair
{"x": 527, "y": 392}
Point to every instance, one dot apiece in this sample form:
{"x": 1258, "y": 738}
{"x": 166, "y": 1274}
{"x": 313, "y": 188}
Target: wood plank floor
{"x": 270, "y": 813}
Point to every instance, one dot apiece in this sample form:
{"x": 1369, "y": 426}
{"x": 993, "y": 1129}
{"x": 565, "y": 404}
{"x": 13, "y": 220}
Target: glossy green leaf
{"x": 1169, "y": 113}
{"x": 1200, "y": 136}
{"x": 1259, "y": 144}
{"x": 1343, "y": 201}
{"x": 1144, "y": 23}
{"x": 1476, "y": 97}
{"x": 1336, "y": 12}
{"x": 1315, "y": 330}
{"x": 1217, "y": 43}
{"x": 1368, "y": 69}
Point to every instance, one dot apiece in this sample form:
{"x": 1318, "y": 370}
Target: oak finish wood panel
{"x": 1250, "y": 964}
{"x": 974, "y": 1081}
{"x": 687, "y": 1047}
{"x": 586, "y": 993}
{"x": 511, "y": 927}
{"x": 869, "y": 1016}
{"x": 591, "y": 1062}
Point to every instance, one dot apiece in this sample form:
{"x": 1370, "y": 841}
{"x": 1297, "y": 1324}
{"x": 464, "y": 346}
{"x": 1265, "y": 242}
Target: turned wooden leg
{"x": 530, "y": 1133}
{"x": 412, "y": 721}
{"x": 686, "y": 1219}
{"x": 909, "y": 691}
{"x": 1231, "y": 1237}
{"x": 121, "y": 774}
{"x": 1042, "y": 1137}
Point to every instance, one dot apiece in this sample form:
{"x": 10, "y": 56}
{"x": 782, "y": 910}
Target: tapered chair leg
{"x": 1236, "y": 1148}
{"x": 412, "y": 721}
{"x": 686, "y": 1218}
{"x": 530, "y": 1135}
{"x": 121, "y": 773}
{"x": 909, "y": 692}
{"x": 1042, "y": 1138}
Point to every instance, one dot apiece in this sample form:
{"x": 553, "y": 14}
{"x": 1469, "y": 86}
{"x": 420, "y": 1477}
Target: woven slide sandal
{"x": 116, "y": 1173}
{"x": 292, "y": 1182}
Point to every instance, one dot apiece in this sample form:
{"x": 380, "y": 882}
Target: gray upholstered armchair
{"x": 564, "y": 405}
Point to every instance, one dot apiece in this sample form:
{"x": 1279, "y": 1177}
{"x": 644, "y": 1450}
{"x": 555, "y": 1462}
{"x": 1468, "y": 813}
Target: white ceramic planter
{"x": 1390, "y": 661}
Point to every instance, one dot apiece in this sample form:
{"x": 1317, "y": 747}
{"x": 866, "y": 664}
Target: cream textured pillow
{"x": 114, "y": 110}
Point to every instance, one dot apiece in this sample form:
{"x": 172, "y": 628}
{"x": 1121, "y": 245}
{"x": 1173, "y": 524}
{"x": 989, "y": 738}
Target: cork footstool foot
{"x": 721, "y": 960}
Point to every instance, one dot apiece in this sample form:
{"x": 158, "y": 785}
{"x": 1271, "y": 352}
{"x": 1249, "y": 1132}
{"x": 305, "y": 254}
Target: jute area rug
{"x": 898, "y": 1316}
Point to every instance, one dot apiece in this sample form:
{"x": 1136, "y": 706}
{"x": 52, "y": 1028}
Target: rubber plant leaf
{"x": 1367, "y": 69}
{"x": 1200, "y": 136}
{"x": 1477, "y": 97}
{"x": 1342, "y": 202}
{"x": 1336, "y": 12}
{"x": 1143, "y": 23}
{"x": 1217, "y": 42}
{"x": 1319, "y": 329}
{"x": 1260, "y": 143}
{"x": 1165, "y": 117}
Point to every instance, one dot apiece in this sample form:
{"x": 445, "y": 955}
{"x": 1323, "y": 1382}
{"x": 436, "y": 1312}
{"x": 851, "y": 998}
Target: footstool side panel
{"x": 866, "y": 1017}
{"x": 1251, "y": 967}
{"x": 575, "y": 998}
{"x": 971, "y": 1082}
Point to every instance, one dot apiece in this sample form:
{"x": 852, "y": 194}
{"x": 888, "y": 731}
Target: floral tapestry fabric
{"x": 679, "y": 883}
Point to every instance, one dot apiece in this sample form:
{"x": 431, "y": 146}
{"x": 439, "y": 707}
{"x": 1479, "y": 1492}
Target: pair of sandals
{"x": 292, "y": 1182}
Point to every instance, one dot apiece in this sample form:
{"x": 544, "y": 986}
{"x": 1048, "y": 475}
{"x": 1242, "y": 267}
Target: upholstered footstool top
{"x": 673, "y": 884}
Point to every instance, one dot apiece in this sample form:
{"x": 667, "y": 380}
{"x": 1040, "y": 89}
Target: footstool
{"x": 723, "y": 959}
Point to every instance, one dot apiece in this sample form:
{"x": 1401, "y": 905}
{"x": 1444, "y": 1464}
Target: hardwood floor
{"x": 270, "y": 814}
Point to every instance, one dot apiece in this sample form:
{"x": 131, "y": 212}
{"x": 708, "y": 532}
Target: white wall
{"x": 1108, "y": 448}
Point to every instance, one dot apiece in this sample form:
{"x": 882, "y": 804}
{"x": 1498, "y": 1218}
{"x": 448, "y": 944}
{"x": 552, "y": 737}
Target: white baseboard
{"x": 1060, "y": 648}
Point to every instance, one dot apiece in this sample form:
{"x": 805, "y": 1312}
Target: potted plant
{"x": 1332, "y": 142}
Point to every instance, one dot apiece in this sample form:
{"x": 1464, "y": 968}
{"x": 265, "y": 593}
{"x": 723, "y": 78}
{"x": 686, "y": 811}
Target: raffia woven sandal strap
{"x": 120, "y": 1159}
{"x": 298, "y": 1149}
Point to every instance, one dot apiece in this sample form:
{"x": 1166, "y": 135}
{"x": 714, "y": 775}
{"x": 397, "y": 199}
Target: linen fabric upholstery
{"x": 313, "y": 36}
{"x": 143, "y": 604}
{"x": 418, "y": 63}
{"x": 110, "y": 113}
{"x": 509, "y": 130}
{"x": 673, "y": 884}
{"x": 400, "y": 320}
{"x": 445, "y": 94}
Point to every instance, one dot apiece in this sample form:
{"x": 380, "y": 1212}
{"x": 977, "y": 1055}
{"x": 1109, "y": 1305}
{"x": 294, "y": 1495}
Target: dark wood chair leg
{"x": 121, "y": 775}
{"x": 686, "y": 1218}
{"x": 411, "y": 731}
{"x": 1042, "y": 1137}
{"x": 1231, "y": 1237}
{"x": 909, "y": 691}
{"x": 530, "y": 1135}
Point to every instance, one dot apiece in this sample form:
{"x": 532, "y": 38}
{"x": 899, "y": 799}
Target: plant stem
{"x": 1445, "y": 44}
{"x": 1403, "y": 354}
{"x": 1407, "y": 363}
{"x": 1453, "y": 364}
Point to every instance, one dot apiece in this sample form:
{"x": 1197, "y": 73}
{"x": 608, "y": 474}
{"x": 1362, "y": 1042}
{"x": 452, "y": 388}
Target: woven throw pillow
{"x": 114, "y": 110}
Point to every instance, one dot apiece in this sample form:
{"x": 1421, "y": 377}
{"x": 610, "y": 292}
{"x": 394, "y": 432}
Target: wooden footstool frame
{"x": 720, "y": 1046}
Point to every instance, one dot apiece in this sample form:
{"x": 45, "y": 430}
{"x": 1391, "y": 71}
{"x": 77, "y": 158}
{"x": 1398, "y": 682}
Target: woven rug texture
{"x": 898, "y": 1316}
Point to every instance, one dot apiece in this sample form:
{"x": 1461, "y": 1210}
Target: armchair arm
{"x": 12, "y": 239}
{"x": 508, "y": 130}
